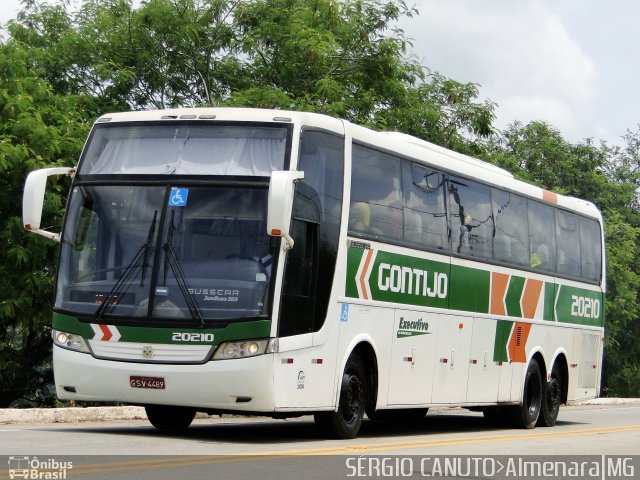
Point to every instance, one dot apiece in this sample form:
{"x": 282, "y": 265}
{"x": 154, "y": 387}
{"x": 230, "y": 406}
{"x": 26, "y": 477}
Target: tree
{"x": 345, "y": 59}
{"x": 37, "y": 129}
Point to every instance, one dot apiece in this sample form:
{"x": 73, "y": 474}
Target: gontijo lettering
{"x": 413, "y": 281}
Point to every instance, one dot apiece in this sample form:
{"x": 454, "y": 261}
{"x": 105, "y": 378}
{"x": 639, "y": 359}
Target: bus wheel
{"x": 526, "y": 415}
{"x": 346, "y": 422}
{"x": 170, "y": 418}
{"x": 551, "y": 399}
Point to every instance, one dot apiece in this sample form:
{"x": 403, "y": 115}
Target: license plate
{"x": 156, "y": 383}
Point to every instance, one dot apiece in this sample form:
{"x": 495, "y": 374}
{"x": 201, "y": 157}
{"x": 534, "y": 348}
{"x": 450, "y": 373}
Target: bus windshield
{"x": 184, "y": 149}
{"x": 197, "y": 253}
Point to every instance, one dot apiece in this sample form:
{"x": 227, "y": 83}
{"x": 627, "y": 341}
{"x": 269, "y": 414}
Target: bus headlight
{"x": 244, "y": 348}
{"x": 70, "y": 341}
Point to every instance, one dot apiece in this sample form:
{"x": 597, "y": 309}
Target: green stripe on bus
{"x": 354, "y": 256}
{"x": 503, "y": 330}
{"x": 549, "y": 298}
{"x": 410, "y": 280}
{"x": 514, "y": 294}
{"x": 69, "y": 324}
{"x": 394, "y": 278}
{"x": 579, "y": 306}
{"x": 233, "y": 331}
{"x": 469, "y": 289}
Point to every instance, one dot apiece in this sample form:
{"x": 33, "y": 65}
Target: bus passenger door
{"x": 485, "y": 373}
{"x": 412, "y": 358}
{"x": 452, "y": 360}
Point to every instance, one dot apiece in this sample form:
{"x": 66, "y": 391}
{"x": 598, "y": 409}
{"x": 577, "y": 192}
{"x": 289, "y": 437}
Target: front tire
{"x": 346, "y": 422}
{"x": 527, "y": 414}
{"x": 551, "y": 399}
{"x": 170, "y": 418}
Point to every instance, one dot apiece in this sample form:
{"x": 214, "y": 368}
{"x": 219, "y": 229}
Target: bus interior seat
{"x": 543, "y": 255}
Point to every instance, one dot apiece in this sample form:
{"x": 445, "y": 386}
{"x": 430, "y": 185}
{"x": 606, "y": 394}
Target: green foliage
{"x": 37, "y": 128}
{"x": 444, "y": 112}
{"x": 345, "y": 59}
{"x": 622, "y": 375}
{"x": 325, "y": 56}
{"x": 60, "y": 67}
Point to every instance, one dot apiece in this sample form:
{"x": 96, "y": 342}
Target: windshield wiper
{"x": 121, "y": 285}
{"x": 147, "y": 247}
{"x": 172, "y": 261}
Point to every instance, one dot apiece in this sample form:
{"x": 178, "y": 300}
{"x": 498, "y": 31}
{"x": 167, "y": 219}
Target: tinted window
{"x": 542, "y": 237}
{"x": 315, "y": 228}
{"x": 376, "y": 195}
{"x": 568, "y": 240}
{"x": 209, "y": 262}
{"x": 591, "y": 249}
{"x": 425, "y": 214}
{"x": 511, "y": 241}
{"x": 184, "y": 149}
{"x": 471, "y": 217}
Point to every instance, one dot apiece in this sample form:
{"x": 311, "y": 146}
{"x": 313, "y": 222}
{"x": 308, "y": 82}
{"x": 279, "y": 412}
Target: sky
{"x": 574, "y": 64}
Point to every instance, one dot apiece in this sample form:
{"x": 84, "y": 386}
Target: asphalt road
{"x": 236, "y": 447}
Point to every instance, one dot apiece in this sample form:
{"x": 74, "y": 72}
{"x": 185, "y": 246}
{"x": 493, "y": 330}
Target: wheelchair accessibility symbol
{"x": 178, "y": 197}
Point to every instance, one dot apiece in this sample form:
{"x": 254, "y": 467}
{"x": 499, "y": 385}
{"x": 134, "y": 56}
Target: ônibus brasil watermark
{"x": 38, "y": 469}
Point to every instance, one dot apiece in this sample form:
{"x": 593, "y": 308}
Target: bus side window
{"x": 298, "y": 289}
{"x": 376, "y": 186}
{"x": 591, "y": 249}
{"x": 542, "y": 236}
{"x": 317, "y": 207}
{"x": 568, "y": 240}
{"x": 511, "y": 240}
{"x": 425, "y": 211}
{"x": 471, "y": 217}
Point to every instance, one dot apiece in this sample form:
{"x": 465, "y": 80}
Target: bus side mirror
{"x": 33, "y": 199}
{"x": 281, "y": 187}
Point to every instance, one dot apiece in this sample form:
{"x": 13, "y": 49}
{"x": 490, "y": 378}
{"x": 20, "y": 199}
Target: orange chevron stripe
{"x": 550, "y": 197}
{"x": 499, "y": 284}
{"x": 106, "y": 333}
{"x": 363, "y": 285}
{"x": 518, "y": 342}
{"x": 530, "y": 297}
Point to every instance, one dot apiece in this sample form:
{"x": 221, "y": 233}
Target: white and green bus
{"x": 285, "y": 263}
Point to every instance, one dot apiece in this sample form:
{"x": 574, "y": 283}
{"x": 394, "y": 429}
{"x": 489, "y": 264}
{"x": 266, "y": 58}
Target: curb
{"x": 70, "y": 414}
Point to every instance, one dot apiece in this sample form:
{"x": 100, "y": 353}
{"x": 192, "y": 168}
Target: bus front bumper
{"x": 244, "y": 384}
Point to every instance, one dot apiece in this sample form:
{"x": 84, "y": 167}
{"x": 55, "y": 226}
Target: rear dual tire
{"x": 541, "y": 402}
{"x": 526, "y": 415}
{"x": 551, "y": 398}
